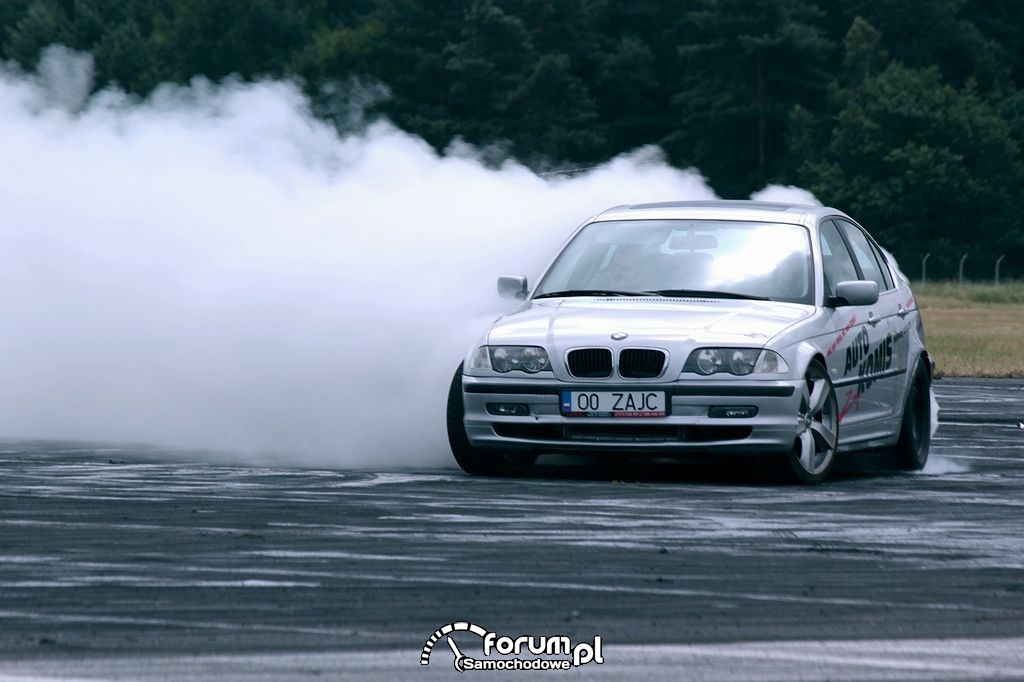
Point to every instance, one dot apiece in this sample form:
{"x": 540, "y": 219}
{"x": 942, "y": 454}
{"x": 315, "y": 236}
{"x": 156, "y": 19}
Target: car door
{"x": 858, "y": 336}
{"x": 906, "y": 305}
{"x": 885, "y": 372}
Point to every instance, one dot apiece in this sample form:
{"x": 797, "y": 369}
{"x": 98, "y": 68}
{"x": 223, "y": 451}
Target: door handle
{"x": 902, "y": 312}
{"x": 872, "y": 320}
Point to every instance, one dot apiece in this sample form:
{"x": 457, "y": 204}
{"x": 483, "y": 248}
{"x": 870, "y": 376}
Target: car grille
{"x": 590, "y": 363}
{"x": 641, "y": 363}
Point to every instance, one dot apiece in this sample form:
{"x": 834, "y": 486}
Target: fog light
{"x": 733, "y": 412}
{"x": 508, "y": 409}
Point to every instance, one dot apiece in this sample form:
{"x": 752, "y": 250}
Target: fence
{"x": 966, "y": 268}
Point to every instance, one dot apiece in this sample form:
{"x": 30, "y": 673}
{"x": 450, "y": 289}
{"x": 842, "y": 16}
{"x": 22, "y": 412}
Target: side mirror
{"x": 858, "y": 292}
{"x": 512, "y": 287}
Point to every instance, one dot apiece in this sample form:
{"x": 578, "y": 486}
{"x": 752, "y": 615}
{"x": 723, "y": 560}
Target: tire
{"x": 479, "y": 461}
{"x": 916, "y": 427}
{"x": 814, "y": 449}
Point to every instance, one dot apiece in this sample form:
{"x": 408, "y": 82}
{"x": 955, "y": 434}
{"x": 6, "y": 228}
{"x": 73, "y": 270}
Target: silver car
{"x": 712, "y": 327}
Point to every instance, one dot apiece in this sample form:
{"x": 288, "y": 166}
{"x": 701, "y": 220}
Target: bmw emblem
{"x": 619, "y": 336}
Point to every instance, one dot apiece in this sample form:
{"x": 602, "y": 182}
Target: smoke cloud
{"x": 214, "y": 267}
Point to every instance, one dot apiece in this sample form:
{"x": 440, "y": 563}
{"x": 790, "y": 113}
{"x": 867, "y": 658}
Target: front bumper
{"x": 688, "y": 428}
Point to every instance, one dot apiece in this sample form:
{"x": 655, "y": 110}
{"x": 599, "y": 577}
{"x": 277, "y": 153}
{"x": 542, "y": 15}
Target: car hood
{"x": 565, "y": 323}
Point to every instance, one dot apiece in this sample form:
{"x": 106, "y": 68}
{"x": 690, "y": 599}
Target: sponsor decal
{"x": 842, "y": 335}
{"x": 857, "y": 350}
{"x": 546, "y": 652}
{"x": 852, "y": 403}
{"x": 869, "y": 361}
{"x": 877, "y": 361}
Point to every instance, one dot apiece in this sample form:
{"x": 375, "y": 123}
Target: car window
{"x": 836, "y": 261}
{"x": 768, "y": 260}
{"x": 884, "y": 262}
{"x": 864, "y": 254}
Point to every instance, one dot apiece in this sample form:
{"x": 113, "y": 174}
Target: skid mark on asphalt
{"x": 181, "y": 550}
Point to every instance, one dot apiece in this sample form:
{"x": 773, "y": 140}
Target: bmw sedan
{"x": 715, "y": 328}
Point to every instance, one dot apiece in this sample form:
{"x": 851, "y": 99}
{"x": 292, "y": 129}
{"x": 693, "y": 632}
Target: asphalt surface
{"x": 132, "y": 563}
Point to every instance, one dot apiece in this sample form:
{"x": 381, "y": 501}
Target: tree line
{"x": 906, "y": 113}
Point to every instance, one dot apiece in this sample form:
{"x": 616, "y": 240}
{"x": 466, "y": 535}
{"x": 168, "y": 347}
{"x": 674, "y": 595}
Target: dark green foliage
{"x": 908, "y": 113}
{"x": 217, "y": 38}
{"x": 555, "y": 116}
{"x": 491, "y": 57}
{"x": 126, "y": 57}
{"x": 11, "y": 13}
{"x": 632, "y": 104}
{"x": 747, "y": 63}
{"x": 43, "y": 23}
{"x": 919, "y": 160}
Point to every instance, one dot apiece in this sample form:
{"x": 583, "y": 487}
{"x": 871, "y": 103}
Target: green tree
{"x": 553, "y": 116}
{"x": 747, "y": 63}
{"x": 922, "y": 163}
{"x": 1000, "y": 23}
{"x": 493, "y": 56}
{"x": 11, "y": 13}
{"x": 408, "y": 53}
{"x": 126, "y": 57}
{"x": 923, "y": 33}
{"x": 216, "y": 38}
{"x": 908, "y": 112}
{"x": 44, "y": 23}
{"x": 863, "y": 54}
{"x": 631, "y": 101}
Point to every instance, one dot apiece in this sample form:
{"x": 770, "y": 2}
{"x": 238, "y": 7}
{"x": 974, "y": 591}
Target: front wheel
{"x": 916, "y": 429}
{"x": 814, "y": 449}
{"x": 473, "y": 460}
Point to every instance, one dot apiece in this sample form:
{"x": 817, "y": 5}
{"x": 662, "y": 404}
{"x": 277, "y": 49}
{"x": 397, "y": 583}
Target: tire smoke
{"x": 214, "y": 267}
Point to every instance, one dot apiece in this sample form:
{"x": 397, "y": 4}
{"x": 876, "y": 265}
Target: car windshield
{"x": 685, "y": 257}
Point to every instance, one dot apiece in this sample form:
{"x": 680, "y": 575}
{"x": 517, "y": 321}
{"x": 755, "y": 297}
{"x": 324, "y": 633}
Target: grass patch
{"x": 952, "y": 295}
{"x": 974, "y": 330}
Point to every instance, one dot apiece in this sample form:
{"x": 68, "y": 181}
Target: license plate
{"x": 613, "y": 403}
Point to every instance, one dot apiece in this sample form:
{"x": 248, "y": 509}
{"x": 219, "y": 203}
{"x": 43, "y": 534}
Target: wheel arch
{"x": 806, "y": 353}
{"x": 820, "y": 358}
{"x": 929, "y": 363}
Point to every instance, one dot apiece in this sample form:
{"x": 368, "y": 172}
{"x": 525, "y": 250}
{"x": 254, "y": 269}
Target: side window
{"x": 884, "y": 262}
{"x": 865, "y": 256}
{"x": 835, "y": 258}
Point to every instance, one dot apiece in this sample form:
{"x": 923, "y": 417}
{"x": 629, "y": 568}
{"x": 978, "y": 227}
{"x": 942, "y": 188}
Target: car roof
{"x": 722, "y": 209}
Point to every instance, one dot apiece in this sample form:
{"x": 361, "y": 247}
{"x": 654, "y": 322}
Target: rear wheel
{"x": 814, "y": 449}
{"x": 916, "y": 429}
{"x": 473, "y": 460}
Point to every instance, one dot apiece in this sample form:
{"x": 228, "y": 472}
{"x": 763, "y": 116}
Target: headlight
{"x": 770, "y": 362}
{"x": 738, "y": 361}
{"x": 708, "y": 360}
{"x": 529, "y": 359}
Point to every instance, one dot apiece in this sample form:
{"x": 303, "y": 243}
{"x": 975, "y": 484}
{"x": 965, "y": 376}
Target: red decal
{"x": 842, "y": 335}
{"x": 852, "y": 403}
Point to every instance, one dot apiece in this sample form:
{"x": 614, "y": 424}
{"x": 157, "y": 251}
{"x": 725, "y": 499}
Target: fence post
{"x": 961, "y": 275}
{"x": 924, "y": 267}
{"x": 998, "y": 261}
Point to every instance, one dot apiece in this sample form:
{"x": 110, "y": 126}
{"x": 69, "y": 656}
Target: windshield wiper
{"x": 700, "y": 293}
{"x": 592, "y": 292}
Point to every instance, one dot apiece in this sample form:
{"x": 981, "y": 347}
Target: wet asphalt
{"x": 139, "y": 563}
